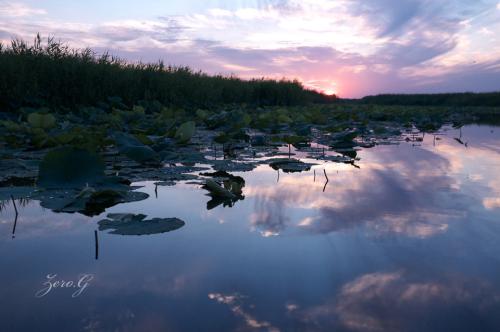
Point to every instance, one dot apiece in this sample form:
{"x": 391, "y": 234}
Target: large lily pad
{"x": 232, "y": 166}
{"x": 70, "y": 167}
{"x": 136, "y": 224}
{"x": 89, "y": 201}
{"x": 185, "y": 132}
{"x": 135, "y": 149}
{"x": 42, "y": 121}
{"x": 289, "y": 165}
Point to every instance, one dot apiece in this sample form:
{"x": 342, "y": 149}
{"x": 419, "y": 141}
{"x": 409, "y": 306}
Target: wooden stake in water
{"x": 96, "y": 239}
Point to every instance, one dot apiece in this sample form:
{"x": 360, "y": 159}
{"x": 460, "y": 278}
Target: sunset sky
{"x": 349, "y": 47}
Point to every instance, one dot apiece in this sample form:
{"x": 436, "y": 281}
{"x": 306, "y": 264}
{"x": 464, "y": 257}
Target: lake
{"x": 409, "y": 240}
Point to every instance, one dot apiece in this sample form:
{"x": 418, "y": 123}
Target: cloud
{"x": 353, "y": 48}
{"x": 16, "y": 10}
{"x": 236, "y": 304}
{"x": 388, "y": 16}
{"x": 390, "y": 301}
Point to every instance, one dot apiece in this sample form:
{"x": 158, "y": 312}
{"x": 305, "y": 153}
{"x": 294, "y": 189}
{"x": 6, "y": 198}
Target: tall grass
{"x": 52, "y": 73}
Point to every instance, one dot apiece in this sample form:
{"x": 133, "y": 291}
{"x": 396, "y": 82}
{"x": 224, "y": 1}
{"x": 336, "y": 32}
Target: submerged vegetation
{"x": 76, "y": 130}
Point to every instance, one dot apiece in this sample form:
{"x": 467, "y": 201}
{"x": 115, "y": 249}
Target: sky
{"x": 352, "y": 48}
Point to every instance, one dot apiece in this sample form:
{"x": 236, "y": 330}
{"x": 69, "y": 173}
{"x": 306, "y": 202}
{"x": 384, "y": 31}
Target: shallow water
{"x": 410, "y": 241}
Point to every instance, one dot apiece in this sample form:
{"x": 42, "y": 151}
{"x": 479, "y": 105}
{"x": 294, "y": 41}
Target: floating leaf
{"x": 135, "y": 224}
{"x": 202, "y": 114}
{"x": 11, "y": 126}
{"x": 185, "y": 132}
{"x": 135, "y": 149}
{"x": 43, "y": 121}
{"x": 140, "y": 154}
{"x": 291, "y": 139}
{"x": 227, "y": 195}
{"x": 217, "y": 190}
{"x": 289, "y": 165}
{"x": 90, "y": 201}
{"x": 69, "y": 167}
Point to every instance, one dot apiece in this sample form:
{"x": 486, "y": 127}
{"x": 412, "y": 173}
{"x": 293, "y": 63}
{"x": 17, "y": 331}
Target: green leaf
{"x": 69, "y": 167}
{"x": 134, "y": 149}
{"x": 43, "y": 121}
{"x": 135, "y": 224}
{"x": 185, "y": 132}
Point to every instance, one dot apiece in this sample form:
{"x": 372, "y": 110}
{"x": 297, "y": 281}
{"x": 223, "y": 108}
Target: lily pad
{"x": 228, "y": 193}
{"x": 140, "y": 154}
{"x": 289, "y": 165}
{"x": 135, "y": 149}
{"x": 185, "y": 132}
{"x": 216, "y": 189}
{"x": 136, "y": 224}
{"x": 89, "y": 201}
{"x": 231, "y": 166}
{"x": 69, "y": 167}
{"x": 42, "y": 121}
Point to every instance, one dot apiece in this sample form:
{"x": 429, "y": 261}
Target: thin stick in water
{"x": 96, "y": 245}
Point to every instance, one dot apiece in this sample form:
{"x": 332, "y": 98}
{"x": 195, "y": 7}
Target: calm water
{"x": 410, "y": 241}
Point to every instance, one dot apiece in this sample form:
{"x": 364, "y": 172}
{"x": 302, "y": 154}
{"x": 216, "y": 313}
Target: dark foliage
{"x": 444, "y": 99}
{"x": 52, "y": 74}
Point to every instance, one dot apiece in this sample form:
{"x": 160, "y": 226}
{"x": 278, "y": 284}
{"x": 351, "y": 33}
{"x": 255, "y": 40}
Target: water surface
{"x": 409, "y": 241}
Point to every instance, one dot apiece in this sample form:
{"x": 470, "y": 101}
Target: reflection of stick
{"x": 327, "y": 180}
{"x": 96, "y": 245}
{"x": 278, "y": 176}
{"x": 15, "y": 218}
{"x": 14, "y": 227}
{"x": 14, "y": 202}
{"x": 156, "y": 190}
{"x": 314, "y": 175}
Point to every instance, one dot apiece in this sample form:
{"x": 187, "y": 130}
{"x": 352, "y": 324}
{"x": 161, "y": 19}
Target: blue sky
{"x": 349, "y": 47}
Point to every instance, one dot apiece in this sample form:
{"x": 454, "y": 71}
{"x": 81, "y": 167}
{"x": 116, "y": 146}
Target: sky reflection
{"x": 413, "y": 190}
{"x": 407, "y": 242}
